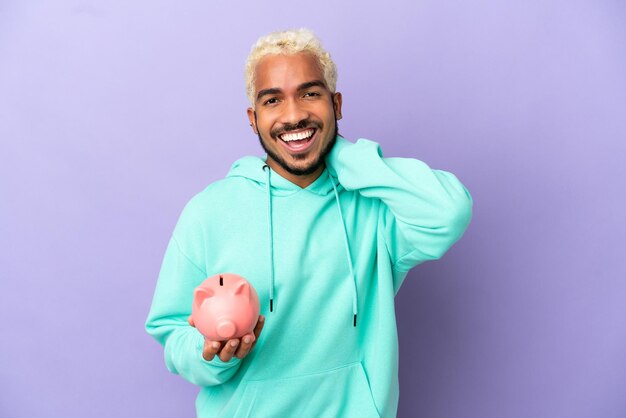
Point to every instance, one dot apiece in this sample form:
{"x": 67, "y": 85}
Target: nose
{"x": 294, "y": 112}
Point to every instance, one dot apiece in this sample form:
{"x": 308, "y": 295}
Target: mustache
{"x": 288, "y": 127}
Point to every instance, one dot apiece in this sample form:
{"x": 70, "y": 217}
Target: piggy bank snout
{"x": 227, "y": 317}
{"x": 226, "y": 329}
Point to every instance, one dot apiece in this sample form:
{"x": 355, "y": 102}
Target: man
{"x": 325, "y": 230}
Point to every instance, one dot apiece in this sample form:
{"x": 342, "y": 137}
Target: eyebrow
{"x": 267, "y": 92}
{"x": 309, "y": 84}
{"x": 303, "y": 86}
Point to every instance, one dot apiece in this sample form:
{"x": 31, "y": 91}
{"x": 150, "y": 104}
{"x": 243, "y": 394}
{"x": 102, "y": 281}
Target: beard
{"x": 302, "y": 171}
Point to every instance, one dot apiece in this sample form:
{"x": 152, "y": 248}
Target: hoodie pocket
{"x": 339, "y": 392}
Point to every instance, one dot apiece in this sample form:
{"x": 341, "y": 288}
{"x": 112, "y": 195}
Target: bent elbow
{"x": 452, "y": 227}
{"x": 459, "y": 219}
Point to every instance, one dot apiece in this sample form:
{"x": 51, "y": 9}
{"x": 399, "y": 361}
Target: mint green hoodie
{"x": 331, "y": 257}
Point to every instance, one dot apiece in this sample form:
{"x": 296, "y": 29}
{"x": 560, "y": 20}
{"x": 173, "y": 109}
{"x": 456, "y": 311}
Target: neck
{"x": 302, "y": 181}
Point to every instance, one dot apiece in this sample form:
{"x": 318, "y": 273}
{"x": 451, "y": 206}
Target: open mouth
{"x": 298, "y": 141}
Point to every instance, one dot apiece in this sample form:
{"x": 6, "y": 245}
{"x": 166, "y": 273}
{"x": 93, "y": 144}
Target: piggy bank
{"x": 225, "y": 306}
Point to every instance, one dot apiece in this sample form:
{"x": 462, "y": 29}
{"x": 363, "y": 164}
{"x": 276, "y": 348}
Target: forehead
{"x": 286, "y": 71}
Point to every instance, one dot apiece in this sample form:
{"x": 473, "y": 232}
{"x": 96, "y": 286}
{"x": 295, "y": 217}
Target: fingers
{"x": 257, "y": 330}
{"x": 248, "y": 341}
{"x": 232, "y": 348}
{"x": 226, "y": 349}
{"x": 211, "y": 348}
{"x": 245, "y": 346}
{"x": 229, "y": 350}
{"x": 190, "y": 320}
{"x": 259, "y": 327}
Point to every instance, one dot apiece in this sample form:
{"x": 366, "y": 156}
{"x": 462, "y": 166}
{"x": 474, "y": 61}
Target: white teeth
{"x": 297, "y": 136}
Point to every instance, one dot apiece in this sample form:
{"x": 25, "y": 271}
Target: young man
{"x": 325, "y": 230}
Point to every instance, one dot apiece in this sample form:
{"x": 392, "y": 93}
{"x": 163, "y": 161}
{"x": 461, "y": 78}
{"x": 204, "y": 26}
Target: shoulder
{"x": 216, "y": 194}
{"x": 208, "y": 205}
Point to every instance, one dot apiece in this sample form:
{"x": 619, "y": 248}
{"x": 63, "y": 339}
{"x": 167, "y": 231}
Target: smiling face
{"x": 295, "y": 115}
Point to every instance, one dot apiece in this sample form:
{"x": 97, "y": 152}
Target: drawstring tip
{"x": 271, "y": 305}
{"x": 355, "y": 320}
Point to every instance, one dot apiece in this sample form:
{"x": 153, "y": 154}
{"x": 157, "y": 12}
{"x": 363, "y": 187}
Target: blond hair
{"x": 288, "y": 43}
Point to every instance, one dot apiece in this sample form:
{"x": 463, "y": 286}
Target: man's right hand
{"x": 236, "y": 347}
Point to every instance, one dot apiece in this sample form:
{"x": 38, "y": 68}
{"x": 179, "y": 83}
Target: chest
{"x": 304, "y": 244}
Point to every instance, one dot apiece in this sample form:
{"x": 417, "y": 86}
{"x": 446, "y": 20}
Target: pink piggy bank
{"x": 225, "y": 306}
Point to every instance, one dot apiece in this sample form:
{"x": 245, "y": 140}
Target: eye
{"x": 271, "y": 101}
{"x": 312, "y": 94}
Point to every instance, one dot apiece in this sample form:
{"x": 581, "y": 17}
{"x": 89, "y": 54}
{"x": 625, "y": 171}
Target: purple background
{"x": 113, "y": 114}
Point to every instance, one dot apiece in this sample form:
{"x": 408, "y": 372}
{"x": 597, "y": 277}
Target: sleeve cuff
{"x": 332, "y": 161}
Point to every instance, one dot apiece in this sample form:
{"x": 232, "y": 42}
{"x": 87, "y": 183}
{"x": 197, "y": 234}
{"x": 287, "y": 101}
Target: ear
{"x": 252, "y": 119}
{"x": 242, "y": 288}
{"x": 337, "y": 100}
{"x": 202, "y": 293}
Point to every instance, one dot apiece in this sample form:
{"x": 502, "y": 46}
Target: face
{"x": 295, "y": 115}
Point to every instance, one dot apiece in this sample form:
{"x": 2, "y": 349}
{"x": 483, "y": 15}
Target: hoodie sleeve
{"x": 424, "y": 211}
{"x": 167, "y": 320}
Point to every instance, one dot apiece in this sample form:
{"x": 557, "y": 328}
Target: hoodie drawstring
{"x": 348, "y": 255}
{"x": 267, "y": 170}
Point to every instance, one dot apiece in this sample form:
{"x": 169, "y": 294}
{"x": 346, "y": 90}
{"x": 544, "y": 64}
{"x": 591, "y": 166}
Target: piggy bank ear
{"x": 242, "y": 289}
{"x": 201, "y": 293}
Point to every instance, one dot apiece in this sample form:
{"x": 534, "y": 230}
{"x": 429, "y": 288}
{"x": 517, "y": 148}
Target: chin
{"x": 302, "y": 170}
{"x": 295, "y": 164}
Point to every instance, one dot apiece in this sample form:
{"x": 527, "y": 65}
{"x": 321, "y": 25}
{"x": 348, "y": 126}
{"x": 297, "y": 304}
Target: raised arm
{"x": 424, "y": 211}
